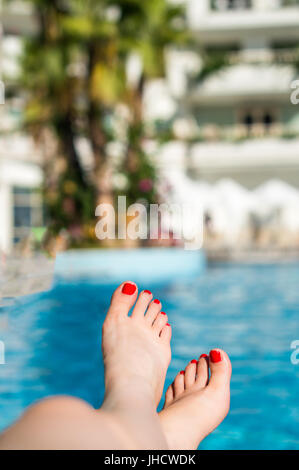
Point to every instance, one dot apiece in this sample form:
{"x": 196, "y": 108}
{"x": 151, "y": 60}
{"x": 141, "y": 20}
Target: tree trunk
{"x": 102, "y": 172}
{"x": 132, "y": 160}
{"x": 65, "y": 131}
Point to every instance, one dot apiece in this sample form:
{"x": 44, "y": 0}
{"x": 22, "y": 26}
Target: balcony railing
{"x": 240, "y": 132}
{"x": 283, "y": 56}
{"x": 228, "y": 5}
{"x": 224, "y": 5}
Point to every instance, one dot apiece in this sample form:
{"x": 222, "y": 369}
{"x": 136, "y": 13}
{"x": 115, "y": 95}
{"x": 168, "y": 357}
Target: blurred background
{"x": 106, "y": 98}
{"x": 162, "y": 101}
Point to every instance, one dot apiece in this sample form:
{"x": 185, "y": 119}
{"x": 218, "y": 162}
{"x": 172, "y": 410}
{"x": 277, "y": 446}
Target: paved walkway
{"x": 24, "y": 276}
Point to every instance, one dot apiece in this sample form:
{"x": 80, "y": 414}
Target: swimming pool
{"x": 53, "y": 346}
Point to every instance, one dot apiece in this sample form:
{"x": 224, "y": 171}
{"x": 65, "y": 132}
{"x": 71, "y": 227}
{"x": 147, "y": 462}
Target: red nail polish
{"x": 215, "y": 356}
{"x": 167, "y": 324}
{"x": 194, "y": 361}
{"x": 148, "y": 292}
{"x": 203, "y": 355}
{"x": 163, "y": 313}
{"x": 128, "y": 289}
{"x": 156, "y": 301}
{"x": 182, "y": 372}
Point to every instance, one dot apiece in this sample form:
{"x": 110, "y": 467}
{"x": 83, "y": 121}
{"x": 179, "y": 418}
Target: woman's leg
{"x": 64, "y": 423}
{"x": 136, "y": 353}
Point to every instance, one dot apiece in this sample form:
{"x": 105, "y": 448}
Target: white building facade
{"x": 20, "y": 170}
{"x": 239, "y": 121}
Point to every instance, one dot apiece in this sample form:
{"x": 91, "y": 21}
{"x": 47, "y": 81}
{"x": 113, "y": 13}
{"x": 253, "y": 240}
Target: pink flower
{"x": 76, "y": 231}
{"x": 68, "y": 206}
{"x": 145, "y": 185}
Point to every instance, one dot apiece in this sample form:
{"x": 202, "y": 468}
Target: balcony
{"x": 226, "y": 22}
{"x": 249, "y": 162}
{"x": 243, "y": 83}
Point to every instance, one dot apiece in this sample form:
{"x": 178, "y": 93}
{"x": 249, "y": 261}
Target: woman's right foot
{"x": 196, "y": 404}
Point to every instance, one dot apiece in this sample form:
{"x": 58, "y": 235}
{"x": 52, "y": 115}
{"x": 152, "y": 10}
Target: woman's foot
{"x": 136, "y": 349}
{"x": 196, "y": 404}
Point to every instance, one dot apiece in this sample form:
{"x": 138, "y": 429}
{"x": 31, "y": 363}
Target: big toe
{"x": 219, "y": 383}
{"x": 123, "y": 299}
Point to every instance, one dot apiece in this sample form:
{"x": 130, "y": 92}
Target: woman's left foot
{"x": 136, "y": 348}
{"x": 196, "y": 404}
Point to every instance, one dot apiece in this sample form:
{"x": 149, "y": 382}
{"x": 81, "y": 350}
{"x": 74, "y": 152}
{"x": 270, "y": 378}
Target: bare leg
{"x": 136, "y": 354}
{"x": 64, "y": 423}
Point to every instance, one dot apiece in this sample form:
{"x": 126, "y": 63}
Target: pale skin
{"x": 137, "y": 353}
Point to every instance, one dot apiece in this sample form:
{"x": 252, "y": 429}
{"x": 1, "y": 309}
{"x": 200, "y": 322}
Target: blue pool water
{"x": 53, "y": 346}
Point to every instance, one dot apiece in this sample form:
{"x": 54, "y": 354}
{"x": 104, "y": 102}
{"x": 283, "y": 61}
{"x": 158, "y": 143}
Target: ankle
{"x": 130, "y": 393}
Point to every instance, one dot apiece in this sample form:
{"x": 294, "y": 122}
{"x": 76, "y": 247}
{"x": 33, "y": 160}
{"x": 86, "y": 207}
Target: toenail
{"x": 182, "y": 372}
{"x": 167, "y": 324}
{"x": 163, "y": 313}
{"x": 194, "y": 361}
{"x": 148, "y": 292}
{"x": 128, "y": 289}
{"x": 156, "y": 301}
{"x": 215, "y": 356}
{"x": 203, "y": 355}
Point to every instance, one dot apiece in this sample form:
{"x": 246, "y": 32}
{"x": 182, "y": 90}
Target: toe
{"x": 169, "y": 396}
{"x": 220, "y": 368}
{"x": 153, "y": 310}
{"x": 202, "y": 373}
{"x": 142, "y": 303}
{"x": 190, "y": 373}
{"x": 159, "y": 322}
{"x": 123, "y": 299}
{"x": 165, "y": 334}
{"x": 179, "y": 384}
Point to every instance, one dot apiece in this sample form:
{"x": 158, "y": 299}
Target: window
{"x": 248, "y": 120}
{"x": 257, "y": 121}
{"x": 268, "y": 120}
{"x": 27, "y": 212}
{"x": 224, "y": 5}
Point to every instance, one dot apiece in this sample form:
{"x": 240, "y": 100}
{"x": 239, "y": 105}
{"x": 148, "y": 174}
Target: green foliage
{"x": 73, "y": 72}
{"x": 213, "y": 61}
{"x": 69, "y": 203}
{"x": 142, "y": 175}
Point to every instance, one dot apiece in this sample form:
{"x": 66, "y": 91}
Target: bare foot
{"x": 194, "y": 404}
{"x": 136, "y": 349}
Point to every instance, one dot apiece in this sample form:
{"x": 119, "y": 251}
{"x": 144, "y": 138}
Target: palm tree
{"x": 158, "y": 25}
{"x": 74, "y": 75}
